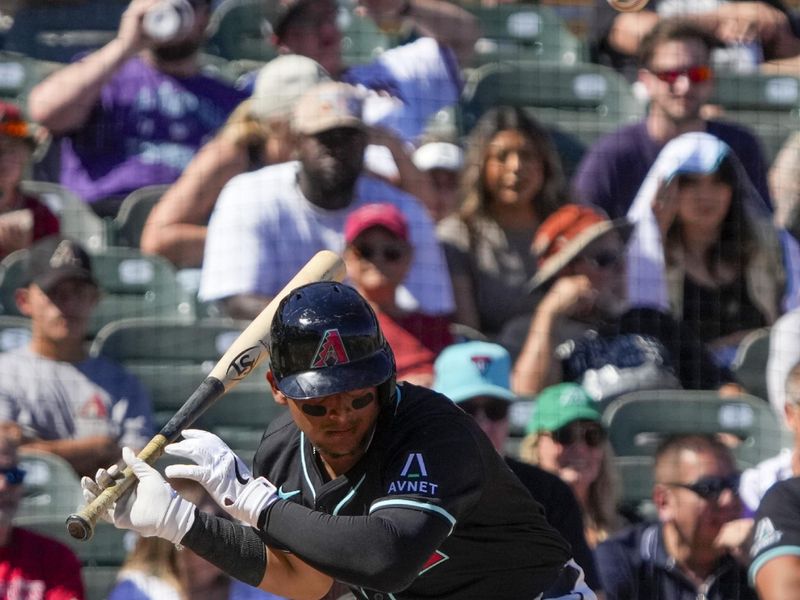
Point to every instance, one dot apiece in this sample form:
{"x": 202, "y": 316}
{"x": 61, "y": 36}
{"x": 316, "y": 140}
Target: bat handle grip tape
{"x": 81, "y": 525}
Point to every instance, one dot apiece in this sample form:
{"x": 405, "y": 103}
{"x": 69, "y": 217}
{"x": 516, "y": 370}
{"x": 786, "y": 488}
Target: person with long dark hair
{"x": 512, "y": 181}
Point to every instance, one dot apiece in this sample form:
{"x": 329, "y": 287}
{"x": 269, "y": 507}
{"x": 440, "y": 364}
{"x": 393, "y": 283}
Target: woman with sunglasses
{"x": 378, "y": 256}
{"x": 702, "y": 251}
{"x": 512, "y": 181}
{"x": 566, "y": 437}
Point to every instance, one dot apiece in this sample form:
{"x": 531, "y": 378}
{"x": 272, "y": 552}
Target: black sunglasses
{"x": 318, "y": 410}
{"x": 388, "y": 253}
{"x": 495, "y": 409}
{"x": 13, "y": 475}
{"x": 590, "y": 434}
{"x": 603, "y": 260}
{"x": 712, "y": 486}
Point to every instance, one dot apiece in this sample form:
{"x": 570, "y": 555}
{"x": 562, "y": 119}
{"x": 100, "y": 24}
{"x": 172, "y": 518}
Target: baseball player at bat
{"x": 388, "y": 487}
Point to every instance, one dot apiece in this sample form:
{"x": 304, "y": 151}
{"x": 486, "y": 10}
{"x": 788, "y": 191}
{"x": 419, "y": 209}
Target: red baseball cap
{"x": 384, "y": 215}
{"x": 565, "y": 234}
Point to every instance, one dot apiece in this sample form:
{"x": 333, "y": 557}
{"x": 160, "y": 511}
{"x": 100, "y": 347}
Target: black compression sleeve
{"x": 383, "y": 551}
{"x": 236, "y": 549}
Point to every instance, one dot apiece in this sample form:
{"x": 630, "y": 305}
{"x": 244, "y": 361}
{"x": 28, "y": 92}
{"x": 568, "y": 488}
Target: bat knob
{"x": 79, "y": 527}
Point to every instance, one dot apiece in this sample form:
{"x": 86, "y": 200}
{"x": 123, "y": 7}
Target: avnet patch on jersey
{"x": 414, "y": 478}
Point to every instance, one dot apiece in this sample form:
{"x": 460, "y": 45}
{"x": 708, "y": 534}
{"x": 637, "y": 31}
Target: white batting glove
{"x": 223, "y": 474}
{"x": 151, "y": 507}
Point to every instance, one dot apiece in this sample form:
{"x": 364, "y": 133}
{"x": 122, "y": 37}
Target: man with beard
{"x": 31, "y": 566}
{"x": 675, "y": 70}
{"x": 134, "y": 112}
{"x": 268, "y": 223}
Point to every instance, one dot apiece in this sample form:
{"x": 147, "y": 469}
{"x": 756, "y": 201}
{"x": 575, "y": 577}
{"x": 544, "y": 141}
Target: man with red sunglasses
{"x": 675, "y": 70}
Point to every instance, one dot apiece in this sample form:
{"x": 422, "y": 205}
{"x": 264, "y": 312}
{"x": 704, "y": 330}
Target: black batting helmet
{"x": 325, "y": 339}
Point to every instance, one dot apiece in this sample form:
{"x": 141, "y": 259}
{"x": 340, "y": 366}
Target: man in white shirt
{"x": 268, "y": 223}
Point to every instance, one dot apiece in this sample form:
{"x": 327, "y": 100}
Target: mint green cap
{"x": 560, "y": 405}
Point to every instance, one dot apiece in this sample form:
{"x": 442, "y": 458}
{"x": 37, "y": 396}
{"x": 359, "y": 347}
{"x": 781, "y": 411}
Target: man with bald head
{"x": 682, "y": 555}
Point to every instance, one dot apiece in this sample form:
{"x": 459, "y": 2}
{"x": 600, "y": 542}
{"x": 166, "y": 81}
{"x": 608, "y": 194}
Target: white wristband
{"x": 254, "y": 497}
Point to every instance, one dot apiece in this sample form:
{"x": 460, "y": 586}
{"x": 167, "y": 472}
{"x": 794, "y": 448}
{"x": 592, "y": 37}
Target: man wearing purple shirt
{"x": 134, "y": 112}
{"x": 676, "y": 73}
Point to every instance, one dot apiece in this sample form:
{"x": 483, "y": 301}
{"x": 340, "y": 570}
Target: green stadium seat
{"x": 768, "y": 104}
{"x": 750, "y": 363}
{"x": 525, "y": 32}
{"x": 98, "y": 581}
{"x": 77, "y": 219}
{"x": 586, "y": 100}
{"x": 14, "y": 332}
{"x": 59, "y": 33}
{"x": 173, "y": 357}
{"x": 20, "y": 73}
{"x": 636, "y": 475}
{"x": 52, "y": 488}
{"x": 129, "y": 223}
{"x": 133, "y": 285}
{"x": 241, "y": 30}
{"x": 362, "y": 41}
{"x": 639, "y": 421}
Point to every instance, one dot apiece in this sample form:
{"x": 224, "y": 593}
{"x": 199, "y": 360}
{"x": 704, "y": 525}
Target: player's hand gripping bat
{"x": 245, "y": 354}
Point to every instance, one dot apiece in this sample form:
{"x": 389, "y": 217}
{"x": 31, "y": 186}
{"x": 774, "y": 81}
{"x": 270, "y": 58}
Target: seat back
{"x": 19, "y": 73}
{"x": 60, "y": 32}
{"x": 766, "y": 103}
{"x": 51, "y": 487}
{"x": 133, "y": 212}
{"x": 241, "y": 30}
{"x": 525, "y": 32}
{"x": 639, "y": 421}
{"x": 750, "y": 363}
{"x": 132, "y": 284}
{"x": 589, "y": 100}
{"x": 77, "y": 219}
{"x": 14, "y": 332}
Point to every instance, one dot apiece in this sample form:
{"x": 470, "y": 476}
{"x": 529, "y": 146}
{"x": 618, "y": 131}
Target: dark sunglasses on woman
{"x": 495, "y": 409}
{"x": 591, "y": 434}
{"x": 387, "y": 253}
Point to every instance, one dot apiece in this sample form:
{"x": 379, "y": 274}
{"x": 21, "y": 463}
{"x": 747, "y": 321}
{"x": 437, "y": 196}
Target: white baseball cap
{"x": 281, "y": 82}
{"x": 438, "y": 155}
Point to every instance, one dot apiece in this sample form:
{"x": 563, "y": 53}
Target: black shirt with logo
{"x": 430, "y": 511}
{"x": 777, "y": 528}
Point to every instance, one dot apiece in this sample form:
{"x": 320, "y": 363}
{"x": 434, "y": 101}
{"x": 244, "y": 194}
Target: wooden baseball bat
{"x": 245, "y": 354}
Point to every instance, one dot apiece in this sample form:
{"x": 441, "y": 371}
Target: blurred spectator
{"x": 23, "y": 218}
{"x": 31, "y": 565}
{"x": 79, "y": 407}
{"x": 476, "y": 376}
{"x": 757, "y": 480}
{"x": 584, "y": 330}
{"x": 268, "y": 223}
{"x": 681, "y": 556}
{"x": 565, "y": 436}
{"x": 511, "y": 183}
{"x": 784, "y": 353}
{"x": 157, "y": 570}
{"x": 676, "y": 72}
{"x": 775, "y": 570}
{"x": 442, "y": 161}
{"x": 784, "y": 185}
{"x": 134, "y": 112}
{"x": 748, "y": 32}
{"x": 257, "y": 134}
{"x": 701, "y": 250}
{"x": 378, "y": 255}
{"x": 409, "y": 83}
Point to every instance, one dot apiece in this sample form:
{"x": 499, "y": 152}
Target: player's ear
{"x": 661, "y": 499}
{"x": 276, "y": 393}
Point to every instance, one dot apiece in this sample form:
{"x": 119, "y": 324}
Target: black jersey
{"x": 431, "y": 470}
{"x": 777, "y": 528}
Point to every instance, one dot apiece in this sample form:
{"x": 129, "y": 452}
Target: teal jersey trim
{"x": 305, "y": 468}
{"x": 350, "y": 495}
{"x": 401, "y": 503}
{"x": 767, "y": 556}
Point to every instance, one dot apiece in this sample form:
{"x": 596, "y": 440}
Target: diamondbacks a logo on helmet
{"x": 482, "y": 363}
{"x": 331, "y": 351}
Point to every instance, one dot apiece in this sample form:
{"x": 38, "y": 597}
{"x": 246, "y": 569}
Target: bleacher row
{"x": 151, "y": 323}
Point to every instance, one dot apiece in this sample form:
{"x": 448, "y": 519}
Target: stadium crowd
{"x": 537, "y": 269}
